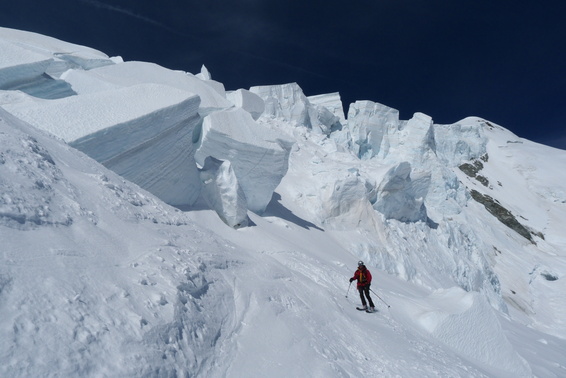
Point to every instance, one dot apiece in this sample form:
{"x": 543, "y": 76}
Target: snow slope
{"x": 461, "y": 226}
{"x": 80, "y": 299}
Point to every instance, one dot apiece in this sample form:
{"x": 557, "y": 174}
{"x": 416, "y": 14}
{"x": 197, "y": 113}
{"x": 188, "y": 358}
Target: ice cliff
{"x": 411, "y": 189}
{"x": 141, "y": 120}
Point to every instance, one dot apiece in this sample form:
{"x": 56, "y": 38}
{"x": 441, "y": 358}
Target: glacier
{"x": 248, "y": 101}
{"x": 258, "y": 155}
{"x": 154, "y": 223}
{"x": 223, "y": 193}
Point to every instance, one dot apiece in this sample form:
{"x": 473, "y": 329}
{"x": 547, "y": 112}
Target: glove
{"x": 351, "y": 279}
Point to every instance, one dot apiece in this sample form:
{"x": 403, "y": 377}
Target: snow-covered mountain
{"x": 154, "y": 224}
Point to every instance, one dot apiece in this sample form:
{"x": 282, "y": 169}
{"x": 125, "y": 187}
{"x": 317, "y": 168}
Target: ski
{"x": 369, "y": 311}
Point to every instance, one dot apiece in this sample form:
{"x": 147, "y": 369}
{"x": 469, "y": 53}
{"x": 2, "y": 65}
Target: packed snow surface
{"x": 133, "y": 73}
{"x": 275, "y": 196}
{"x": 92, "y": 113}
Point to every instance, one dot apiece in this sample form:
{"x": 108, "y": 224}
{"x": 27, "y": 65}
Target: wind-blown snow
{"x": 461, "y": 226}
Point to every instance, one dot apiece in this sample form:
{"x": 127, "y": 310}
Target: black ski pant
{"x": 364, "y": 292}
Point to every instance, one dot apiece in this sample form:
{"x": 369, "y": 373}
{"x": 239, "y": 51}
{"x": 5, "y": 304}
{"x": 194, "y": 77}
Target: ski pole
{"x": 348, "y": 289}
{"x": 379, "y": 298}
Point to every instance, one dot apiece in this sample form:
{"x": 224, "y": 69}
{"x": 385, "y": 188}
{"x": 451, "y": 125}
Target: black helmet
{"x": 360, "y": 263}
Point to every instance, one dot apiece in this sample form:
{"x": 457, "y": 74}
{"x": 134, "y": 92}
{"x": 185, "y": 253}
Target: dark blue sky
{"x": 501, "y": 60}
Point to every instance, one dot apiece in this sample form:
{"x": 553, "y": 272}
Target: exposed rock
{"x": 502, "y": 214}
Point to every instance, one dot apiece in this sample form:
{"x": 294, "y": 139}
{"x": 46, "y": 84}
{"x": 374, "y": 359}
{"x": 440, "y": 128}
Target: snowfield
{"x": 123, "y": 253}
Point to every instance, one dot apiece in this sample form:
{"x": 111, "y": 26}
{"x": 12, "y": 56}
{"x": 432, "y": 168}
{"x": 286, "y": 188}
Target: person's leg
{"x": 362, "y": 297}
{"x": 366, "y": 291}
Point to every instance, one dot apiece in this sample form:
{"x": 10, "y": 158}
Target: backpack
{"x": 363, "y": 277}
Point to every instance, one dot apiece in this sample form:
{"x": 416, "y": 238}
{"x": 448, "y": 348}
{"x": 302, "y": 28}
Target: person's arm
{"x": 355, "y": 276}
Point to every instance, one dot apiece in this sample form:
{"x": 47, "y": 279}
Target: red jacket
{"x": 363, "y": 276}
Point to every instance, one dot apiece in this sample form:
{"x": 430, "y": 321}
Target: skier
{"x": 363, "y": 276}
